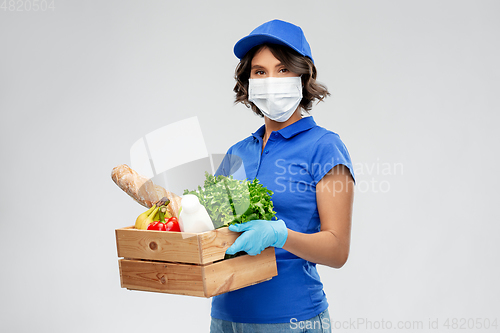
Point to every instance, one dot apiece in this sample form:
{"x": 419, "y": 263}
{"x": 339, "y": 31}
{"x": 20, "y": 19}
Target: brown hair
{"x": 294, "y": 62}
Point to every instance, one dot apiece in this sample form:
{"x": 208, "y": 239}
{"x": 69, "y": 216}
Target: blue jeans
{"x": 318, "y": 324}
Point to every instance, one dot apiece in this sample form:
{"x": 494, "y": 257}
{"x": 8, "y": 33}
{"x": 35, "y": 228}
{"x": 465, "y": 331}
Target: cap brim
{"x": 247, "y": 43}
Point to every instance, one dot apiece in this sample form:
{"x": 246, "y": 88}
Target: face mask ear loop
{"x": 300, "y": 108}
{"x": 301, "y": 81}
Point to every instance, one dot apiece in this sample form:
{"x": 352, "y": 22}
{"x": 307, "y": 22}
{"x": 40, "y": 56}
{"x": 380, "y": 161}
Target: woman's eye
{"x": 283, "y": 70}
{"x": 259, "y": 73}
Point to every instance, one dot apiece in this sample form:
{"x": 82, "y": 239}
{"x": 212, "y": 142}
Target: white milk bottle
{"x": 194, "y": 217}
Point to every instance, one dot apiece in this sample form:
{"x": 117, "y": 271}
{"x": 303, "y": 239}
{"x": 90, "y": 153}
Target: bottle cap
{"x": 190, "y": 203}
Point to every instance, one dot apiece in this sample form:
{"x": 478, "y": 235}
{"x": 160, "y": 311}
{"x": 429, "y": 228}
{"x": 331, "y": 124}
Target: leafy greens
{"x": 230, "y": 201}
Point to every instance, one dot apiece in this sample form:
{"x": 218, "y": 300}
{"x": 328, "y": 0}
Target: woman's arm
{"x": 330, "y": 246}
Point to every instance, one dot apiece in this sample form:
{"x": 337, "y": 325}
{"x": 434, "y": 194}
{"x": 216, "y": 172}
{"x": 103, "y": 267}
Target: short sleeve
{"x": 328, "y": 152}
{"x": 231, "y": 165}
{"x": 225, "y": 166}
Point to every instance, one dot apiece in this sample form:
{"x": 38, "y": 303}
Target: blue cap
{"x": 275, "y": 32}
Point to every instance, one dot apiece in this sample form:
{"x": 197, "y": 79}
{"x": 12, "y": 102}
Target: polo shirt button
{"x": 267, "y": 152}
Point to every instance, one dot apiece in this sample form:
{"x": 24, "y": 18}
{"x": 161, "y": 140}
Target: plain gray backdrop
{"x": 415, "y": 97}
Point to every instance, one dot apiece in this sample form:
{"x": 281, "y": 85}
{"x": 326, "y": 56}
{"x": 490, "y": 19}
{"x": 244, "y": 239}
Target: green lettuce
{"x": 230, "y": 201}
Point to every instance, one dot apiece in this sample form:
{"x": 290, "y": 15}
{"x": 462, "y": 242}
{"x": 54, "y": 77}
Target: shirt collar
{"x": 291, "y": 130}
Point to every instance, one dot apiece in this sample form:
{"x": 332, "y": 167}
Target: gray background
{"x": 414, "y": 97}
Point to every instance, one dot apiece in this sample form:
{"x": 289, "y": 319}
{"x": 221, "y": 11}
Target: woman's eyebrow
{"x": 259, "y": 66}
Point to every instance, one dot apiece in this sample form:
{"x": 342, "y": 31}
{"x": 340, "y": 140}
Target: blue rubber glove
{"x": 258, "y": 235}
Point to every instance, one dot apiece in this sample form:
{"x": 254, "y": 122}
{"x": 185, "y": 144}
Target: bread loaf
{"x": 175, "y": 201}
{"x": 142, "y": 189}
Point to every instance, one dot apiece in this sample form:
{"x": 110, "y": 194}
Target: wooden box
{"x": 188, "y": 264}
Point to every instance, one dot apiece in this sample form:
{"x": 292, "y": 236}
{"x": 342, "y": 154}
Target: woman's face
{"x": 265, "y": 64}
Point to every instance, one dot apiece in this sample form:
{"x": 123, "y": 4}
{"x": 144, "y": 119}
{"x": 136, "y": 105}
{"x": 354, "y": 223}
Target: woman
{"x": 309, "y": 170}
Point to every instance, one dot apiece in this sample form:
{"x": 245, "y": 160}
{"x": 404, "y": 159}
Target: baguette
{"x": 143, "y": 190}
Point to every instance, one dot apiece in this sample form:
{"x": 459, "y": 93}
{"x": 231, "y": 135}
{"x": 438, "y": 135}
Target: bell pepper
{"x": 171, "y": 225}
{"x": 157, "y": 225}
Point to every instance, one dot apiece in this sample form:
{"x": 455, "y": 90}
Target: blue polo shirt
{"x": 294, "y": 160}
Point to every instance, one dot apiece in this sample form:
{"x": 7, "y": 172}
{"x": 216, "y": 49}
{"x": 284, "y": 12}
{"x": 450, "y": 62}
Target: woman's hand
{"x": 330, "y": 246}
{"x": 258, "y": 235}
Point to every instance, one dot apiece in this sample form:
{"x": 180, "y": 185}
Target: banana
{"x": 164, "y": 214}
{"x": 157, "y": 212}
{"x": 149, "y": 219}
{"x": 140, "y": 219}
{"x": 157, "y": 215}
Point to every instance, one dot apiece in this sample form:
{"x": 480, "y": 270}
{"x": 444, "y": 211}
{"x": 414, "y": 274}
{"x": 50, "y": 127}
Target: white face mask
{"x": 277, "y": 98}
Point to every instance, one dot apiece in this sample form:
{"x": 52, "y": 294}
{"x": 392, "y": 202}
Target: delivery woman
{"x": 309, "y": 170}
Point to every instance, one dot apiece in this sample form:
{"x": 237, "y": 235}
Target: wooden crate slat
{"x": 162, "y": 277}
{"x": 158, "y": 245}
{"x": 215, "y": 243}
{"x": 239, "y": 272}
